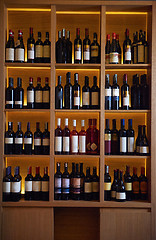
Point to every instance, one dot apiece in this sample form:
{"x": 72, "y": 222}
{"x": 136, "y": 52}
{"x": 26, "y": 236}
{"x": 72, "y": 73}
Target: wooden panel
{"x": 30, "y": 223}
{"x": 125, "y": 224}
{"x": 76, "y": 223}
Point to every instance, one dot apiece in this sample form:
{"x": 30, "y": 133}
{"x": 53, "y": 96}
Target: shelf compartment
{"x": 28, "y": 65}
{"x": 77, "y": 111}
{"x": 23, "y": 203}
{"x": 76, "y": 156}
{"x": 127, "y": 157}
{"x": 27, "y": 110}
{"x": 25, "y": 156}
{"x": 77, "y": 66}
{"x": 127, "y": 111}
{"x": 127, "y": 66}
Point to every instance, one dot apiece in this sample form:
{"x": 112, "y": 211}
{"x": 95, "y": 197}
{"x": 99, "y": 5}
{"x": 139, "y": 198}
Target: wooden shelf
{"x": 77, "y": 66}
{"x": 127, "y": 66}
{"x": 25, "y": 156}
{"x": 127, "y": 111}
{"x": 76, "y": 156}
{"x": 126, "y": 156}
{"x": 23, "y": 203}
{"x": 27, "y": 110}
{"x": 29, "y": 65}
{"x": 77, "y": 111}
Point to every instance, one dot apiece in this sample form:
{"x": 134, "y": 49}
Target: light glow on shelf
{"x": 29, "y": 67}
{"x": 77, "y": 12}
{"x": 127, "y": 70}
{"x": 136, "y": 13}
{"x": 30, "y": 9}
{"x": 76, "y": 69}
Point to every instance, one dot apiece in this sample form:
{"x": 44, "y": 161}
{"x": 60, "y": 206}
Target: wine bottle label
{"x": 10, "y": 102}
{"x": 126, "y": 99}
{"x": 144, "y": 149}
{"x": 95, "y": 98}
{"x": 138, "y": 149}
{"x": 94, "y": 51}
{"x": 121, "y": 195}
{"x": 74, "y": 144}
{"x": 36, "y": 186}
{"x": 115, "y": 92}
{"x": 57, "y": 190}
{"x": 9, "y": 54}
{"x": 108, "y": 92}
{"x": 37, "y": 142}
{"x": 39, "y": 51}
{"x": 140, "y": 53}
{"x": 76, "y": 98}
{"x": 143, "y": 187}
{"x": 107, "y": 186}
{"x": 58, "y": 144}
{"x": 114, "y": 57}
{"x": 18, "y": 102}
{"x": 28, "y": 186}
{"x": 146, "y": 54}
{"x": 128, "y": 53}
{"x": 123, "y": 144}
{"x": 65, "y": 182}
{"x": 85, "y": 98}
{"x": 19, "y": 54}
{"x": 66, "y": 144}
{"x": 135, "y": 54}
{"x": 77, "y": 52}
{"x": 76, "y": 185}
{"x": 9, "y": 140}
{"x": 135, "y": 186}
{"x": 130, "y": 144}
{"x": 17, "y": 43}
{"x": 113, "y": 194}
{"x": 27, "y": 140}
{"x": 107, "y": 137}
{"x": 46, "y": 97}
{"x": 31, "y": 51}
{"x": 128, "y": 186}
{"x": 16, "y": 187}
{"x": 30, "y": 96}
{"x": 46, "y": 51}
{"x": 46, "y": 142}
{"x": 18, "y": 140}
{"x": 38, "y": 96}
{"x": 93, "y": 146}
{"x": 86, "y": 52}
{"x": 45, "y": 186}
{"x": 95, "y": 187}
{"x": 107, "y": 58}
{"x": 87, "y": 187}
{"x": 88, "y": 146}
{"x": 57, "y": 182}
{"x": 82, "y": 144}
{"x": 6, "y": 187}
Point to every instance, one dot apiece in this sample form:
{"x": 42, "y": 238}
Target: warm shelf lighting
{"x": 76, "y": 69}
{"x": 76, "y": 12}
{"x": 137, "y": 13}
{"x": 29, "y": 9}
{"x": 45, "y": 68}
{"x": 127, "y": 70}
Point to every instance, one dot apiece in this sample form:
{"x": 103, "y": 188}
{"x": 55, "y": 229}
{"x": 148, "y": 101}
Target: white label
{"x": 36, "y": 186}
{"x": 65, "y": 182}
{"x": 128, "y": 56}
{"x": 9, "y": 54}
{"x": 85, "y": 98}
{"x": 57, "y": 182}
{"x": 37, "y": 142}
{"x": 45, "y": 186}
{"x": 38, "y": 96}
{"x": 108, "y": 92}
{"x": 82, "y": 144}
{"x": 86, "y": 55}
{"x": 30, "y": 96}
{"x": 131, "y": 144}
{"x": 16, "y": 187}
{"x": 58, "y": 144}
{"x": 107, "y": 186}
{"x": 74, "y": 144}
{"x": 114, "y": 57}
{"x": 126, "y": 101}
{"x": 95, "y": 187}
{"x": 115, "y": 92}
{"x": 87, "y": 187}
{"x": 27, "y": 140}
{"x": 31, "y": 54}
{"x": 123, "y": 144}
{"x": 19, "y": 54}
{"x": 46, "y": 97}
{"x": 9, "y": 102}
{"x": 144, "y": 149}
{"x": 46, "y": 142}
{"x": 113, "y": 194}
{"x": 76, "y": 101}
{"x": 66, "y": 144}
{"x": 121, "y": 195}
{"x": 9, "y": 140}
{"x": 6, "y": 187}
{"x": 28, "y": 186}
{"x": 95, "y": 98}
{"x": 46, "y": 51}
{"x": 78, "y": 52}
{"x": 39, "y": 51}
{"x": 18, "y": 140}
{"x": 18, "y": 102}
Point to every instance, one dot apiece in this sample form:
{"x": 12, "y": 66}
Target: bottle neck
{"x": 58, "y": 167}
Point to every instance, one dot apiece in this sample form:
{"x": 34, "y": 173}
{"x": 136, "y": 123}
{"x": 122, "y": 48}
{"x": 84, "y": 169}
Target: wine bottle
{"x": 107, "y": 49}
{"x": 118, "y": 48}
{"x": 107, "y": 184}
{"x": 18, "y": 140}
{"x": 46, "y": 94}
{"x": 28, "y": 139}
{"x": 135, "y": 93}
{"x": 38, "y": 140}
{"x": 38, "y": 94}
{"x": 146, "y": 46}
{"x": 125, "y": 94}
{"x": 130, "y": 138}
{"x": 135, "y": 184}
{"x": 19, "y": 94}
{"x": 74, "y": 139}
{"x": 9, "y": 139}
{"x": 64, "y": 46}
{"x": 45, "y": 185}
{"x": 30, "y": 94}
{"x": 39, "y": 49}
{"x": 140, "y": 48}
{"x": 138, "y": 140}
{"x": 66, "y": 138}
{"x": 94, "y": 143}
{"x": 36, "y": 185}
{"x": 107, "y": 139}
{"x": 46, "y": 140}
{"x": 127, "y": 49}
{"x": 31, "y": 47}
{"x": 76, "y": 184}
{"x": 71, "y": 180}
{"x": 95, "y": 185}
{"x": 65, "y": 183}
{"x": 143, "y": 185}
{"x": 86, "y": 47}
{"x": 95, "y": 95}
{"x": 144, "y": 93}
{"x": 115, "y": 93}
{"x": 59, "y": 48}
{"x": 7, "y": 182}
{"x": 144, "y": 147}
{"x": 114, "y": 185}
{"x": 19, "y": 48}
{"x": 82, "y": 176}
{"x": 58, "y": 138}
{"x": 76, "y": 92}
{"x": 95, "y": 50}
{"x": 88, "y": 186}
{"x": 68, "y": 92}
{"x": 88, "y": 138}
{"x": 123, "y": 138}
{"x": 114, "y": 55}
{"x": 57, "y": 183}
{"x": 120, "y": 191}
{"x": 10, "y": 48}
{"x": 77, "y": 47}
{"x": 46, "y": 49}
{"x": 114, "y": 139}
{"x": 82, "y": 138}
{"x": 16, "y": 186}
{"x": 86, "y": 94}
{"x": 28, "y": 185}
{"x": 108, "y": 93}
{"x": 9, "y": 95}
{"x": 59, "y": 95}
{"x": 128, "y": 184}
{"x": 134, "y": 48}
{"x": 69, "y": 48}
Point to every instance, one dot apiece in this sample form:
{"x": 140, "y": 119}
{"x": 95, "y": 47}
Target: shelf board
{"x": 127, "y": 66}
{"x": 78, "y": 110}
{"x": 25, "y": 156}
{"x": 23, "y": 203}
{"x": 77, "y": 66}
{"x": 27, "y": 110}
{"x": 127, "y": 111}
{"x": 28, "y": 65}
{"x": 76, "y": 156}
{"x": 126, "y": 156}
